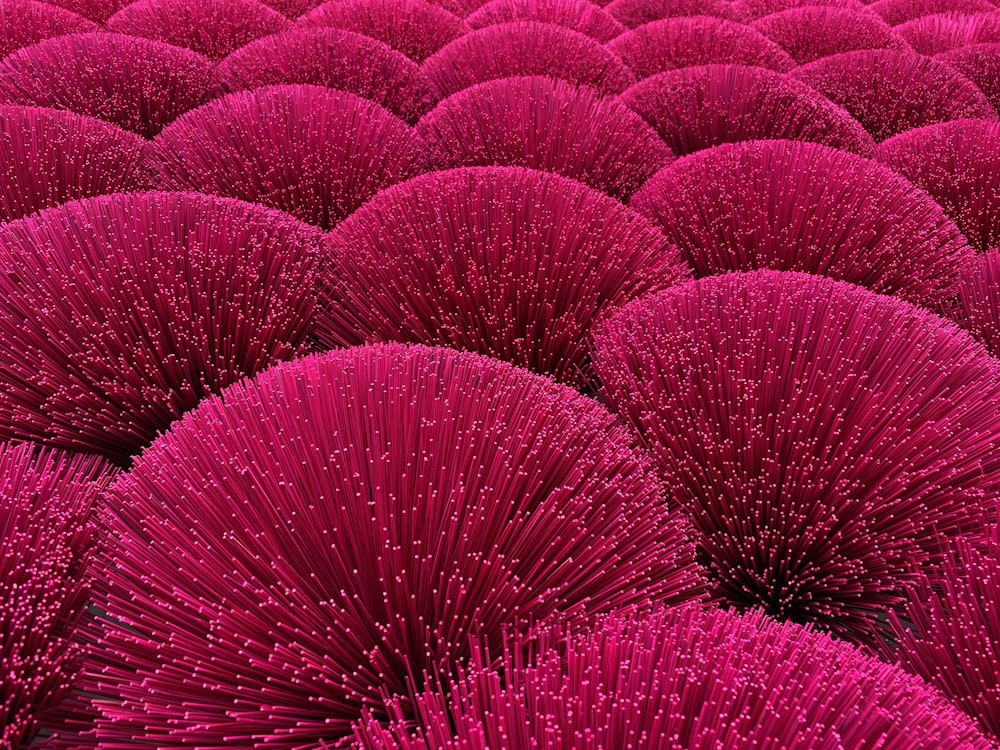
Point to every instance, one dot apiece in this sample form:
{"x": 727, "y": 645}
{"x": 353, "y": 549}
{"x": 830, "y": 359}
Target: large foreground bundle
{"x": 827, "y": 440}
{"x": 335, "y": 530}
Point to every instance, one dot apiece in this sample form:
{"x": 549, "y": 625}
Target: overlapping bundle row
{"x": 500, "y": 374}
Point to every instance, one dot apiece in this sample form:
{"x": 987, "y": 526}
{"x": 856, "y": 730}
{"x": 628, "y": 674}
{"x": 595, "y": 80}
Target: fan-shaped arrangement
{"x": 549, "y": 125}
{"x": 136, "y": 84}
{"x": 120, "y": 313}
{"x": 475, "y": 496}
{"x": 48, "y": 157}
{"x": 931, "y": 35}
{"x": 958, "y": 163}
{"x": 717, "y": 289}
{"x": 827, "y": 440}
{"x": 683, "y": 678}
{"x": 47, "y": 539}
{"x": 24, "y": 22}
{"x": 811, "y": 32}
{"x": 508, "y": 262}
{"x": 314, "y": 152}
{"x": 578, "y": 15}
{"x": 526, "y": 48}
{"x": 890, "y": 91}
{"x": 416, "y": 28}
{"x": 333, "y": 58}
{"x": 703, "y": 106}
{"x": 896, "y": 12}
{"x": 683, "y": 42}
{"x": 213, "y": 28}
{"x": 951, "y": 636}
{"x": 793, "y": 206}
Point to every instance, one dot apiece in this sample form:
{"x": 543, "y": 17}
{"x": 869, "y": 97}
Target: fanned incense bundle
{"x": 337, "y": 528}
{"x": 120, "y": 313}
{"x": 681, "y": 678}
{"x": 136, "y": 84}
{"x": 827, "y": 441}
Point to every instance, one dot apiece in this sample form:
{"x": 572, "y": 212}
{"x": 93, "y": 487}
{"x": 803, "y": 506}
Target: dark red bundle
{"x": 136, "y": 84}
{"x": 958, "y": 163}
{"x": 513, "y": 263}
{"x": 980, "y": 63}
{"x": 416, "y": 28}
{"x": 526, "y": 48}
{"x": 212, "y": 28}
{"x": 48, "y": 157}
{"x": 635, "y": 13}
{"x": 47, "y": 539}
{"x": 336, "y": 529}
{"x": 24, "y": 22}
{"x": 578, "y": 15}
{"x": 120, "y": 313}
{"x": 931, "y": 35}
{"x": 792, "y": 206}
{"x": 951, "y": 633}
{"x": 978, "y": 304}
{"x": 707, "y": 105}
{"x": 896, "y": 12}
{"x": 810, "y": 33}
{"x": 891, "y": 91}
{"x": 827, "y": 441}
{"x": 751, "y": 10}
{"x": 333, "y": 58}
{"x": 683, "y": 42}
{"x": 681, "y": 678}
{"x": 546, "y": 124}
{"x": 313, "y": 152}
